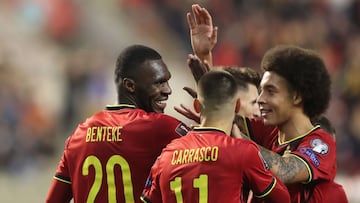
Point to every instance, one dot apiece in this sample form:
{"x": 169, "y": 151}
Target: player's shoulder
{"x": 242, "y": 144}
{"x": 320, "y": 134}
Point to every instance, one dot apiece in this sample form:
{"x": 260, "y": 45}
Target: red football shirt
{"x": 109, "y": 156}
{"x": 209, "y": 166}
{"x": 316, "y": 148}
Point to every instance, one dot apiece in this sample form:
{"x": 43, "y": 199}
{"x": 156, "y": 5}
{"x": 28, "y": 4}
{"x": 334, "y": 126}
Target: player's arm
{"x": 288, "y": 168}
{"x": 151, "y": 192}
{"x": 202, "y": 32}
{"x": 264, "y": 184}
{"x": 59, "y": 192}
{"x": 277, "y": 192}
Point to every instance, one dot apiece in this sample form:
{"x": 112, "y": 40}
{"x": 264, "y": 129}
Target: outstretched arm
{"x": 202, "y": 33}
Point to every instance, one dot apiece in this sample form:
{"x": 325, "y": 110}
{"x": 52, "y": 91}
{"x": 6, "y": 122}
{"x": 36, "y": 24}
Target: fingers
{"x": 235, "y": 131}
{"x": 206, "y": 16}
{"x": 190, "y": 20}
{"x": 188, "y": 113}
{"x": 197, "y": 13}
{"x": 206, "y": 66}
{"x": 191, "y": 92}
{"x": 214, "y": 34}
{"x": 201, "y": 15}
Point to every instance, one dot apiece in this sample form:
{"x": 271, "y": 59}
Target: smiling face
{"x": 151, "y": 86}
{"x": 275, "y": 101}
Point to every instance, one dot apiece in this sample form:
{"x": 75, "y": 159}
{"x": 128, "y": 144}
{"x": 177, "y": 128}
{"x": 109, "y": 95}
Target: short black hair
{"x": 217, "y": 87}
{"x": 131, "y": 59}
{"x": 244, "y": 75}
{"x": 305, "y": 72}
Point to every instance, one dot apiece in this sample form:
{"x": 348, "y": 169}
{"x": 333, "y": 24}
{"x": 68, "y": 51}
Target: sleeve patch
{"x": 148, "y": 183}
{"x": 311, "y": 155}
{"x": 182, "y": 129}
{"x": 319, "y": 146}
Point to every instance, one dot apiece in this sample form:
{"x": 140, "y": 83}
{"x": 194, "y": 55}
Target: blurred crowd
{"x": 56, "y": 60}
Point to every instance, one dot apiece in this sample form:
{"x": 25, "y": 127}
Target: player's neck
{"x": 298, "y": 125}
{"x": 223, "y": 123}
{"x": 127, "y": 99}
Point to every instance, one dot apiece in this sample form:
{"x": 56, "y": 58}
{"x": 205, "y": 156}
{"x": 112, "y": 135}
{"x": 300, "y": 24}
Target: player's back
{"x": 110, "y": 155}
{"x": 209, "y": 166}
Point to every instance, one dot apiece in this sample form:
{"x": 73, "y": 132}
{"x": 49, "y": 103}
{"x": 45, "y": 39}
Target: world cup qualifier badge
{"x": 182, "y": 129}
{"x": 319, "y": 146}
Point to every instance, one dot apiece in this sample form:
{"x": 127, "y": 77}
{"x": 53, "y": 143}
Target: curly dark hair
{"x": 305, "y": 72}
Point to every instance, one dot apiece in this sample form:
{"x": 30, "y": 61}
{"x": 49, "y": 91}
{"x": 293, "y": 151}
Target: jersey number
{"x": 95, "y": 188}
{"x": 201, "y": 183}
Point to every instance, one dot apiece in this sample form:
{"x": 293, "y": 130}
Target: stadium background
{"x": 57, "y": 60}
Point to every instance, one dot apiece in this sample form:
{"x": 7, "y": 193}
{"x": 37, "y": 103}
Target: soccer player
{"x": 208, "y": 165}
{"x": 108, "y": 157}
{"x": 295, "y": 88}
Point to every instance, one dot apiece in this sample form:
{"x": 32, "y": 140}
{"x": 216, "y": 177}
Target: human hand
{"x": 203, "y": 34}
{"x": 188, "y": 113}
{"x": 197, "y": 68}
{"x": 191, "y": 91}
{"x": 236, "y": 133}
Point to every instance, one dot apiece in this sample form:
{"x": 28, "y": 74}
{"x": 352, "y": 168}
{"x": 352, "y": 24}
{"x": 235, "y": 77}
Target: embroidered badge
{"x": 182, "y": 129}
{"x": 319, "y": 146}
{"x": 312, "y": 156}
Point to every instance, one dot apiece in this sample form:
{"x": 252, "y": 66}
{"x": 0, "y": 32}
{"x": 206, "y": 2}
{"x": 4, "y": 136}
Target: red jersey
{"x": 109, "y": 156}
{"x": 330, "y": 192}
{"x": 209, "y": 166}
{"x": 316, "y": 148}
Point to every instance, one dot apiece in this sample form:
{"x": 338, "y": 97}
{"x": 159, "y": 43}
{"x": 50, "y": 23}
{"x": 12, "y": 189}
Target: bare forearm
{"x": 206, "y": 57}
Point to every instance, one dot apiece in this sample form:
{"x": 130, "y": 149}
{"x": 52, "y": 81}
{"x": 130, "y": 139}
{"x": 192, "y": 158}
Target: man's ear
{"x": 297, "y": 98}
{"x": 197, "y": 106}
{"x": 237, "y": 106}
{"x": 129, "y": 84}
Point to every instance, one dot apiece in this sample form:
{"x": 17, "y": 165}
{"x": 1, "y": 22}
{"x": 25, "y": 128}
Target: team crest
{"x": 319, "y": 146}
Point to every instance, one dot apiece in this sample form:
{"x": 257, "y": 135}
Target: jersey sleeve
{"x": 318, "y": 152}
{"x": 169, "y": 128}
{"x": 151, "y": 192}
{"x": 262, "y": 182}
{"x": 62, "y": 172}
{"x": 60, "y": 188}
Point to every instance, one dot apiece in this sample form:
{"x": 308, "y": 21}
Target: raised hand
{"x": 197, "y": 67}
{"x": 202, "y": 32}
